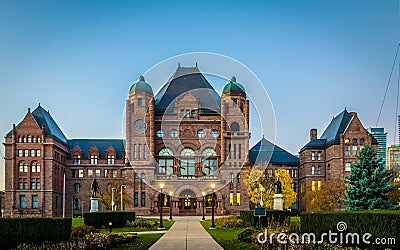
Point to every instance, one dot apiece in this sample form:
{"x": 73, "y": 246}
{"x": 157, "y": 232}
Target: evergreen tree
{"x": 368, "y": 183}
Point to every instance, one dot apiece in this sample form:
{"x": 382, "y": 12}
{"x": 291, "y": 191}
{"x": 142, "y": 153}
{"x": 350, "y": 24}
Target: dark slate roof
{"x": 265, "y": 150}
{"x": 337, "y": 126}
{"x": 43, "y": 117}
{"x": 315, "y": 143}
{"x": 183, "y": 80}
{"x": 101, "y": 144}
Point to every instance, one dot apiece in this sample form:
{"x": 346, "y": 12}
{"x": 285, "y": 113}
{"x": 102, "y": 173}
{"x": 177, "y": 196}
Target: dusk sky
{"x": 314, "y": 58}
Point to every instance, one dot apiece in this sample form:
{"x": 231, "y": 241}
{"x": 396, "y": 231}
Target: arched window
{"x": 143, "y": 177}
{"x": 23, "y": 167}
{"x": 33, "y": 139}
{"x": 187, "y": 162}
{"x": 35, "y": 167}
{"x": 38, "y": 139}
{"x": 209, "y": 161}
{"x": 19, "y": 139}
{"x": 214, "y": 133}
{"x": 160, "y": 133}
{"x": 77, "y": 188}
{"x": 235, "y": 127}
{"x": 29, "y": 139}
{"x": 201, "y": 133}
{"x": 165, "y": 161}
{"x": 23, "y": 139}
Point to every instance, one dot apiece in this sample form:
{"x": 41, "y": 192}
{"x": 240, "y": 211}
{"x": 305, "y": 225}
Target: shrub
{"x": 382, "y": 224}
{"x": 101, "y": 219}
{"x": 246, "y": 235}
{"x": 231, "y": 221}
{"x": 280, "y": 217}
{"x": 140, "y": 222}
{"x": 123, "y": 237}
{"x": 33, "y": 230}
{"x": 79, "y": 233}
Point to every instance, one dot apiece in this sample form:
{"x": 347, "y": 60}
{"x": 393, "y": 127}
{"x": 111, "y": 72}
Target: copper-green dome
{"x": 234, "y": 88}
{"x": 141, "y": 87}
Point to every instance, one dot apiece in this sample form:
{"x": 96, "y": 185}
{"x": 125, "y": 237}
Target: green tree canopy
{"x": 368, "y": 183}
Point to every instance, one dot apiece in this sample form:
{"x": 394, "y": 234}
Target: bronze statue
{"x": 278, "y": 187}
{"x": 95, "y": 188}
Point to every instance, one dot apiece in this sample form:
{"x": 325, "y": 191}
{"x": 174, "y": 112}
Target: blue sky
{"x": 79, "y": 58}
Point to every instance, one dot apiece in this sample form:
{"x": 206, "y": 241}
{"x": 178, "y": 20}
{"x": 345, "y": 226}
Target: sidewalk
{"x": 186, "y": 233}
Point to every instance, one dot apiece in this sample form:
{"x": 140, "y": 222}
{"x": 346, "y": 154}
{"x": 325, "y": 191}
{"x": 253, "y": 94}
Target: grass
{"x": 167, "y": 225}
{"x": 227, "y": 237}
{"x": 142, "y": 241}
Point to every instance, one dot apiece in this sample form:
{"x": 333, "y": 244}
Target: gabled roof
{"x": 266, "y": 151}
{"x": 183, "y": 80}
{"x": 337, "y": 126}
{"x": 43, "y": 117}
{"x": 101, "y": 144}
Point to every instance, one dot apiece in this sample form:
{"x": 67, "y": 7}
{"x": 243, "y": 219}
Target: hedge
{"x": 15, "y": 231}
{"x": 378, "y": 223}
{"x": 274, "y": 216}
{"x": 101, "y": 219}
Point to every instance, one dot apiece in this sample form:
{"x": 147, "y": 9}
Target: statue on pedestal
{"x": 95, "y": 188}
{"x": 278, "y": 187}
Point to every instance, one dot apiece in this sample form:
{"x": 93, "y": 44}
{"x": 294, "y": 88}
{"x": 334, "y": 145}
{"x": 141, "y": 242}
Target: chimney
{"x": 313, "y": 134}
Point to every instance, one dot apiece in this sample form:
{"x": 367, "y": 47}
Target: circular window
{"x": 214, "y": 133}
{"x": 160, "y": 133}
{"x": 174, "y": 133}
{"x": 201, "y": 133}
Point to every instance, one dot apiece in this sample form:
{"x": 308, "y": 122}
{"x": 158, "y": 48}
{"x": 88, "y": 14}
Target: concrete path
{"x": 186, "y": 233}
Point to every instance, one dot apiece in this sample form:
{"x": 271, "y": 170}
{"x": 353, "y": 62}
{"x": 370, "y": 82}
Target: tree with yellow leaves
{"x": 324, "y": 198}
{"x": 289, "y": 195}
{"x": 115, "y": 184}
{"x": 255, "y": 184}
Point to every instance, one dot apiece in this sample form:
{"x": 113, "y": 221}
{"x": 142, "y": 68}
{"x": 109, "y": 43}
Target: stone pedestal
{"x": 94, "y": 204}
{"x": 278, "y": 202}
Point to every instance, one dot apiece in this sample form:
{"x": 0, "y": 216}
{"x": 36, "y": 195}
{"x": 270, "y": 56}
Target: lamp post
{"x": 170, "y": 204}
{"x": 161, "y": 226}
{"x": 212, "y": 207}
{"x": 112, "y": 199}
{"x": 122, "y": 204}
{"x": 204, "y": 194}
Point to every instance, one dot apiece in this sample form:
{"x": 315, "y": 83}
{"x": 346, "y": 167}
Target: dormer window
{"x": 110, "y": 159}
{"x": 77, "y": 159}
{"x": 93, "y": 159}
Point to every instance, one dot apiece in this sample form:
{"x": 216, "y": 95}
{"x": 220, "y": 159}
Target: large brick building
{"x": 330, "y": 156}
{"x": 185, "y": 137}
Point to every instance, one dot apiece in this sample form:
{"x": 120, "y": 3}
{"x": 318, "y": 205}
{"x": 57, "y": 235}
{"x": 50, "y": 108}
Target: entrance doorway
{"x": 187, "y": 202}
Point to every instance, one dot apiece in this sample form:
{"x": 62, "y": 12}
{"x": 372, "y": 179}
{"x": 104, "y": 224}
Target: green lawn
{"x": 227, "y": 237}
{"x": 141, "y": 242}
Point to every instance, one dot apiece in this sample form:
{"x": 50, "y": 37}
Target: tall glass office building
{"x": 380, "y": 136}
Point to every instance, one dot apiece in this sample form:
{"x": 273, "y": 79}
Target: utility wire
{"x": 387, "y": 86}
{"x": 397, "y": 106}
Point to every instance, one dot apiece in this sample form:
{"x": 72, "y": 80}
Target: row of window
{"x": 139, "y": 151}
{"x": 351, "y": 150}
{"x": 354, "y": 141}
{"x": 318, "y": 156}
{"x": 29, "y": 139}
{"x": 187, "y": 163}
{"x": 27, "y": 152}
{"x": 231, "y": 178}
{"x": 94, "y": 159}
{"x": 142, "y": 199}
{"x": 231, "y": 201}
{"x": 23, "y": 167}
{"x": 113, "y": 173}
{"x": 23, "y": 183}
{"x": 188, "y": 113}
{"x": 270, "y": 173}
{"x": 318, "y": 172}
{"x": 236, "y": 152}
{"x": 201, "y": 133}
{"x": 22, "y": 201}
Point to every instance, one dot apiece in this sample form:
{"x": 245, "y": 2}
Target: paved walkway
{"x": 186, "y": 233}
